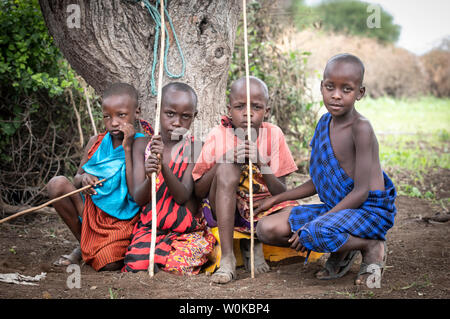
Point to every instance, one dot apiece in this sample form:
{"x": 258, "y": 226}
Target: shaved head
{"x": 122, "y": 89}
{"x": 348, "y": 59}
{"x": 253, "y": 80}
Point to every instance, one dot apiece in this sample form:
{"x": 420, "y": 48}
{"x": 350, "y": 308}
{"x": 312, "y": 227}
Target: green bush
{"x": 348, "y": 16}
{"x": 38, "y": 131}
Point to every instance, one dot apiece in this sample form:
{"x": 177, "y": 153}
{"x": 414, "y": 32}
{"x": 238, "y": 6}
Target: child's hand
{"x": 263, "y": 204}
{"x": 295, "y": 243}
{"x": 128, "y": 135}
{"x": 249, "y": 150}
{"x": 152, "y": 165}
{"x": 88, "y": 179}
{"x": 244, "y": 151}
{"x": 157, "y": 146}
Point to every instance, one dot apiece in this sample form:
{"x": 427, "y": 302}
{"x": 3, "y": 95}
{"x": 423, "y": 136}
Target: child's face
{"x": 117, "y": 111}
{"x": 177, "y": 113}
{"x": 341, "y": 87}
{"x": 237, "y": 109}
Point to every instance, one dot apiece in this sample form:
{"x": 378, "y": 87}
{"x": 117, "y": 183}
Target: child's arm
{"x": 81, "y": 177}
{"x": 141, "y": 183}
{"x": 307, "y": 189}
{"x": 127, "y": 144}
{"x": 363, "y": 137}
{"x": 203, "y": 185}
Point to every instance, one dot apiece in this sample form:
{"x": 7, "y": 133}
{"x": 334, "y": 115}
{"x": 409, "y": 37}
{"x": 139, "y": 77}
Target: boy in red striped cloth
{"x": 183, "y": 242}
{"x": 102, "y": 219}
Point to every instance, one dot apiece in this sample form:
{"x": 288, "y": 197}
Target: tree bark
{"x": 114, "y": 42}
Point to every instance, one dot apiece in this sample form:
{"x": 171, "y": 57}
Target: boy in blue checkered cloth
{"x": 358, "y": 197}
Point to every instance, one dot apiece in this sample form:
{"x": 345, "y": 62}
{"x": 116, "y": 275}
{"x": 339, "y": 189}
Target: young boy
{"x": 183, "y": 242}
{"x": 102, "y": 219}
{"x": 221, "y": 174}
{"x": 346, "y": 173}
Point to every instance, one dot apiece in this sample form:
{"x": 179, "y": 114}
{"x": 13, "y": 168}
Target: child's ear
{"x": 362, "y": 92}
{"x": 138, "y": 112}
{"x": 267, "y": 113}
{"x": 229, "y": 110}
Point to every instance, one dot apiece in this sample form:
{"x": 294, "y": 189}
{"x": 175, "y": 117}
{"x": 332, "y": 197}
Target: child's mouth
{"x": 335, "y": 106}
{"x": 115, "y": 132}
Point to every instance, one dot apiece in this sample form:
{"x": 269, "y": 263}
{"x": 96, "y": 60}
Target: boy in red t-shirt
{"x": 221, "y": 172}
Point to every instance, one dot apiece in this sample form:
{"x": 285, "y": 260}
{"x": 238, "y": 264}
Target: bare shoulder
{"x": 361, "y": 128}
{"x": 91, "y": 142}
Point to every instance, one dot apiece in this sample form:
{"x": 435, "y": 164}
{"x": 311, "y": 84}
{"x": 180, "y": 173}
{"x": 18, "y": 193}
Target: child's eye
{"x": 347, "y": 89}
{"x": 169, "y": 114}
{"x": 187, "y": 116}
{"x": 122, "y": 115}
{"x": 106, "y": 116}
{"x": 329, "y": 87}
{"x": 257, "y": 107}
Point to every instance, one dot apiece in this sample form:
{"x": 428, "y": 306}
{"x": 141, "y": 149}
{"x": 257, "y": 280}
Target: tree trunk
{"x": 113, "y": 41}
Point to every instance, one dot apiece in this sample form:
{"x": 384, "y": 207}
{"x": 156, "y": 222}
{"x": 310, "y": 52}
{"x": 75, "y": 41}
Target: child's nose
{"x": 245, "y": 111}
{"x": 176, "y": 121}
{"x": 336, "y": 95}
{"x": 115, "y": 121}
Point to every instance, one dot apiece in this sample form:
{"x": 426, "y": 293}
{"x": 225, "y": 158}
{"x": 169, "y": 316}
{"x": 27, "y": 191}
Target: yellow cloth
{"x": 271, "y": 253}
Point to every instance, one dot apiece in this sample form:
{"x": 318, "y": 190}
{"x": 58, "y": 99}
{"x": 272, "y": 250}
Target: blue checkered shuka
{"x": 326, "y": 233}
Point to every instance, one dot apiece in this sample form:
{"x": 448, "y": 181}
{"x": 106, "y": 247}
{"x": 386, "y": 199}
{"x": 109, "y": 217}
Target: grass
{"x": 422, "y": 116}
{"x": 413, "y": 134}
{"x": 413, "y": 137}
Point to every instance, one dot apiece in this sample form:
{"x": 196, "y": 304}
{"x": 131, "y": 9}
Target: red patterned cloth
{"x": 183, "y": 242}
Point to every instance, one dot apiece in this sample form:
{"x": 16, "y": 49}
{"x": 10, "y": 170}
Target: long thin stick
{"x": 77, "y": 115}
{"x": 249, "y": 136}
{"x": 32, "y": 209}
{"x": 88, "y": 104}
{"x": 157, "y": 119}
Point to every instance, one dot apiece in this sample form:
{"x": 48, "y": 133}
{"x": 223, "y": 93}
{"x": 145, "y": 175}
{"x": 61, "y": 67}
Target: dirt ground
{"x": 418, "y": 264}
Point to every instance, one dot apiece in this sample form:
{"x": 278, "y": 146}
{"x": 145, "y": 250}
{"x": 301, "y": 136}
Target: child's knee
{"x": 227, "y": 175}
{"x": 58, "y": 186}
{"x": 267, "y": 232}
{"x": 263, "y": 231}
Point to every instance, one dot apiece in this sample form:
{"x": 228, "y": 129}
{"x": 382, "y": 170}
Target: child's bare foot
{"x": 260, "y": 263}
{"x": 66, "y": 260}
{"x": 226, "y": 272}
{"x": 375, "y": 254}
{"x": 337, "y": 265}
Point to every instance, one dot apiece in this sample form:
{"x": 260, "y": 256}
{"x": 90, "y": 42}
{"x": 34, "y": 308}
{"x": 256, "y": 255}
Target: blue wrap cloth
{"x": 325, "y": 233}
{"x": 113, "y": 197}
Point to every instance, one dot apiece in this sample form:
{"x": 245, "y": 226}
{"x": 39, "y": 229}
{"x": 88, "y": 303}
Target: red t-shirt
{"x": 271, "y": 145}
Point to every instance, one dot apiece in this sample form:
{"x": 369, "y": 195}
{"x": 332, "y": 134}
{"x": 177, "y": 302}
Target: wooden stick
{"x": 249, "y": 136}
{"x": 32, "y": 209}
{"x": 88, "y": 104}
{"x": 77, "y": 115}
{"x": 157, "y": 120}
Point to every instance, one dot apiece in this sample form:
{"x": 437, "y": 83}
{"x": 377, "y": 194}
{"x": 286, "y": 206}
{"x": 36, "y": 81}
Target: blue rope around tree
{"x": 154, "y": 13}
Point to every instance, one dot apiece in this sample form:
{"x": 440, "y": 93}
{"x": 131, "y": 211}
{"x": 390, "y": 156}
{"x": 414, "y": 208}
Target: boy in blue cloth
{"x": 358, "y": 197}
{"x": 102, "y": 220}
